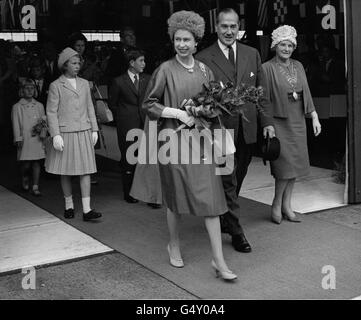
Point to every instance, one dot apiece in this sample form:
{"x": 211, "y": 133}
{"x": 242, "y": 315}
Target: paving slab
{"x": 30, "y": 236}
{"x": 317, "y": 191}
{"x": 111, "y": 276}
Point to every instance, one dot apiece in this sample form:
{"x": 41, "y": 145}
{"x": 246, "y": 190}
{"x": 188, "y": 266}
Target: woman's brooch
{"x": 203, "y": 69}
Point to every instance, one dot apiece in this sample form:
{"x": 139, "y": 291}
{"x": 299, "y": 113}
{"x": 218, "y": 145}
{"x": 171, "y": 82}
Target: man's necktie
{"x": 37, "y": 82}
{"x": 231, "y": 56}
{"x": 136, "y": 82}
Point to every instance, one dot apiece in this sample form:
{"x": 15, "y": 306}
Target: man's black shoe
{"x": 240, "y": 243}
{"x": 91, "y": 215}
{"x": 69, "y": 214}
{"x": 224, "y": 225}
{"x": 130, "y": 199}
{"x": 154, "y": 205}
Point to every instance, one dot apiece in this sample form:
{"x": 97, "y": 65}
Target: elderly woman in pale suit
{"x": 291, "y": 100}
{"x": 73, "y": 128}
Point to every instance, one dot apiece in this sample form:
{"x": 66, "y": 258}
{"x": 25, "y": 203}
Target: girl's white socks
{"x": 69, "y": 203}
{"x": 86, "y": 204}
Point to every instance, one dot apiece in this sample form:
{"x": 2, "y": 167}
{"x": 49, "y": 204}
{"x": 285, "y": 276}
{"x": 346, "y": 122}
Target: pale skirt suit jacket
{"x": 70, "y": 113}
{"x": 69, "y": 109}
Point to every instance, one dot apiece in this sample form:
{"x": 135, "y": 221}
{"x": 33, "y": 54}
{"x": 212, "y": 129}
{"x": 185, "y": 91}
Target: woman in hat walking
{"x": 291, "y": 100}
{"x": 73, "y": 128}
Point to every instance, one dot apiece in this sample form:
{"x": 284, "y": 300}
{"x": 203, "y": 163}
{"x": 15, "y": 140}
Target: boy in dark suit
{"x": 238, "y": 63}
{"x": 37, "y": 73}
{"x": 125, "y": 97}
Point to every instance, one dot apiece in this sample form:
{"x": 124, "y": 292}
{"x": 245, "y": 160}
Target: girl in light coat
{"x": 30, "y": 150}
{"x": 74, "y": 131}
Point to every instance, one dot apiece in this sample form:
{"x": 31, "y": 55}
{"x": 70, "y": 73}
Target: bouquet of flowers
{"x": 40, "y": 129}
{"x": 217, "y": 99}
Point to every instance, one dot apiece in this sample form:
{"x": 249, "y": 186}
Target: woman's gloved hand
{"x": 94, "y": 137}
{"x": 185, "y": 118}
{"x": 58, "y": 143}
{"x": 181, "y": 115}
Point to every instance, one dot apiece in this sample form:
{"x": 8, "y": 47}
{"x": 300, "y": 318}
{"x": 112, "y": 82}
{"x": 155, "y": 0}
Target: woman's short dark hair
{"x": 133, "y": 54}
{"x": 74, "y": 37}
{"x": 37, "y": 62}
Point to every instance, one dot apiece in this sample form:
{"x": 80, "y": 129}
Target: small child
{"x": 74, "y": 131}
{"x": 30, "y": 150}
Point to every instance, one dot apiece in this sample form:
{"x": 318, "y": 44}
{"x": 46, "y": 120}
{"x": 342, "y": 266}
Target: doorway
{"x": 321, "y": 49}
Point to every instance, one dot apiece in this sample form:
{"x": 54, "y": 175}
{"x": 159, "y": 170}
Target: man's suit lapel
{"x": 129, "y": 83}
{"x": 222, "y": 62}
{"x": 241, "y": 63}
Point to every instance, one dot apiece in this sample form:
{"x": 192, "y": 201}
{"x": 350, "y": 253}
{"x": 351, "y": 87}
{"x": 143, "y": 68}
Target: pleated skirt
{"x": 77, "y": 158}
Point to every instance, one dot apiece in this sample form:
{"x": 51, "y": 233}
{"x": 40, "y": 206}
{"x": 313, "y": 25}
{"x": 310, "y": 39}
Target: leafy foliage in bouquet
{"x": 217, "y": 99}
{"x": 40, "y": 129}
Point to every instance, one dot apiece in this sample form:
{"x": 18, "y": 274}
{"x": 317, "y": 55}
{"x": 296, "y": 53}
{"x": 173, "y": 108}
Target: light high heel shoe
{"x": 178, "y": 263}
{"x": 295, "y": 219}
{"x": 227, "y": 275}
{"x": 275, "y": 219}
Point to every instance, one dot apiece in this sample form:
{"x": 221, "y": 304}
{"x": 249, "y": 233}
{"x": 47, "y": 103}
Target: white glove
{"x": 94, "y": 137}
{"x": 58, "y": 143}
{"x": 181, "y": 115}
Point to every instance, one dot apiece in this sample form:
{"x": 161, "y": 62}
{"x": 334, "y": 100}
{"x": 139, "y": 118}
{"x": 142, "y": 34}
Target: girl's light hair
{"x": 27, "y": 82}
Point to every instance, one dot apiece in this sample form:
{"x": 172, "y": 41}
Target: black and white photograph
{"x": 194, "y": 152}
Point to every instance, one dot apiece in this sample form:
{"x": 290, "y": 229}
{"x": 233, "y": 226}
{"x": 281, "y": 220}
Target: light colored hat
{"x": 284, "y": 33}
{"x": 65, "y": 55}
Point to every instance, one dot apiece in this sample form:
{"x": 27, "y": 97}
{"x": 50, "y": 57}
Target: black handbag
{"x": 271, "y": 148}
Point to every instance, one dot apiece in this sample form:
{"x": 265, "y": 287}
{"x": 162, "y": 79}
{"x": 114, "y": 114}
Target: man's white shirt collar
{"x": 225, "y": 49}
{"x": 132, "y": 75}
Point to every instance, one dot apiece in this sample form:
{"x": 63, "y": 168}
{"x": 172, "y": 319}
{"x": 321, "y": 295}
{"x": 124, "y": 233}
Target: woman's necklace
{"x": 190, "y": 68}
{"x": 290, "y": 73}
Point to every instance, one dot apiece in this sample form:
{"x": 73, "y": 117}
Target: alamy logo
{"x": 194, "y": 147}
{"x": 29, "y": 280}
{"x": 329, "y": 280}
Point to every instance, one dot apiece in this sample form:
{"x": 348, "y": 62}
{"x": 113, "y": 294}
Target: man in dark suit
{"x": 117, "y": 64}
{"x": 125, "y": 98}
{"x": 238, "y": 63}
{"x": 37, "y": 73}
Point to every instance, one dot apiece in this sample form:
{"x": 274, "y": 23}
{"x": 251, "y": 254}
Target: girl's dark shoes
{"x": 130, "y": 199}
{"x": 91, "y": 215}
{"x": 69, "y": 214}
{"x": 154, "y": 205}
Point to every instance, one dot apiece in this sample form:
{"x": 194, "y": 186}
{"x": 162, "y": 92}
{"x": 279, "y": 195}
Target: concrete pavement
{"x": 286, "y": 263}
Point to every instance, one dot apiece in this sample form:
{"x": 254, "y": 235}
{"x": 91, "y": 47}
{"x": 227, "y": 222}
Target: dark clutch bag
{"x": 271, "y": 148}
